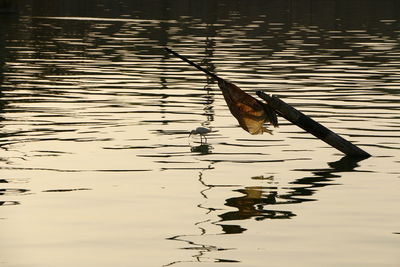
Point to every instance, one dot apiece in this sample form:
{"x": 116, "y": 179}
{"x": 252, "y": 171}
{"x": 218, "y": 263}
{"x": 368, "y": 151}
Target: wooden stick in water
{"x": 313, "y": 127}
{"x": 296, "y": 117}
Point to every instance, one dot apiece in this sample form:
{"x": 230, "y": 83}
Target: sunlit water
{"x": 97, "y": 168}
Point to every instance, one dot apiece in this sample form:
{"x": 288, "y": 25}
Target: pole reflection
{"x": 258, "y": 203}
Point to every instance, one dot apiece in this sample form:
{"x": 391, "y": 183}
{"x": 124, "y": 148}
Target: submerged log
{"x": 306, "y": 123}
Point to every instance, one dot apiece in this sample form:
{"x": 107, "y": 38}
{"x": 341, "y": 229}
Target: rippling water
{"x": 97, "y": 167}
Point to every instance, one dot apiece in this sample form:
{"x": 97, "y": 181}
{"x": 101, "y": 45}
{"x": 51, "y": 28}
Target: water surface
{"x": 97, "y": 167}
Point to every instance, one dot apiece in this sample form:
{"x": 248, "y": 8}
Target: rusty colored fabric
{"x": 250, "y": 113}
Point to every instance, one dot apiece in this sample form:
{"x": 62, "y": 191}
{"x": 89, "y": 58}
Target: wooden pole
{"x": 296, "y": 117}
{"x": 193, "y": 64}
{"x": 313, "y": 127}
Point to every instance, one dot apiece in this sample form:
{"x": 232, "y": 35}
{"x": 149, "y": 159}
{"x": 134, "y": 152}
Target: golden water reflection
{"x": 96, "y": 165}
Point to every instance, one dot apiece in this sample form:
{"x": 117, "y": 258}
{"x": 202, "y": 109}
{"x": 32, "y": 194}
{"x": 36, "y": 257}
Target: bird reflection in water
{"x": 202, "y": 149}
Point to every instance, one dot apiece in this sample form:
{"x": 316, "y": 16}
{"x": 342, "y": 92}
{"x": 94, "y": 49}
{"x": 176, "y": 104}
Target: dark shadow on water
{"x": 9, "y": 203}
{"x": 11, "y": 192}
{"x": 321, "y": 177}
{"x": 65, "y": 190}
{"x": 259, "y": 203}
{"x": 252, "y": 205}
{"x": 202, "y": 149}
{"x": 330, "y": 13}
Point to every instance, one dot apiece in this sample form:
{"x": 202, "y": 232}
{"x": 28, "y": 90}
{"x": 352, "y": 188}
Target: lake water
{"x": 97, "y": 168}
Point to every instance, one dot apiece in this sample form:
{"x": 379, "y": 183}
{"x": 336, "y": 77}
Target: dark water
{"x": 97, "y": 167}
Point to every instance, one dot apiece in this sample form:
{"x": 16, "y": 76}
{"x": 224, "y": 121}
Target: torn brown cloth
{"x": 250, "y": 112}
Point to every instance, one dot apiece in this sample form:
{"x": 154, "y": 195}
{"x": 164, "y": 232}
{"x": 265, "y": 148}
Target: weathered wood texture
{"x": 313, "y": 127}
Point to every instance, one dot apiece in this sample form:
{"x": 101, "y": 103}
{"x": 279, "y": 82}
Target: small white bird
{"x": 201, "y": 131}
